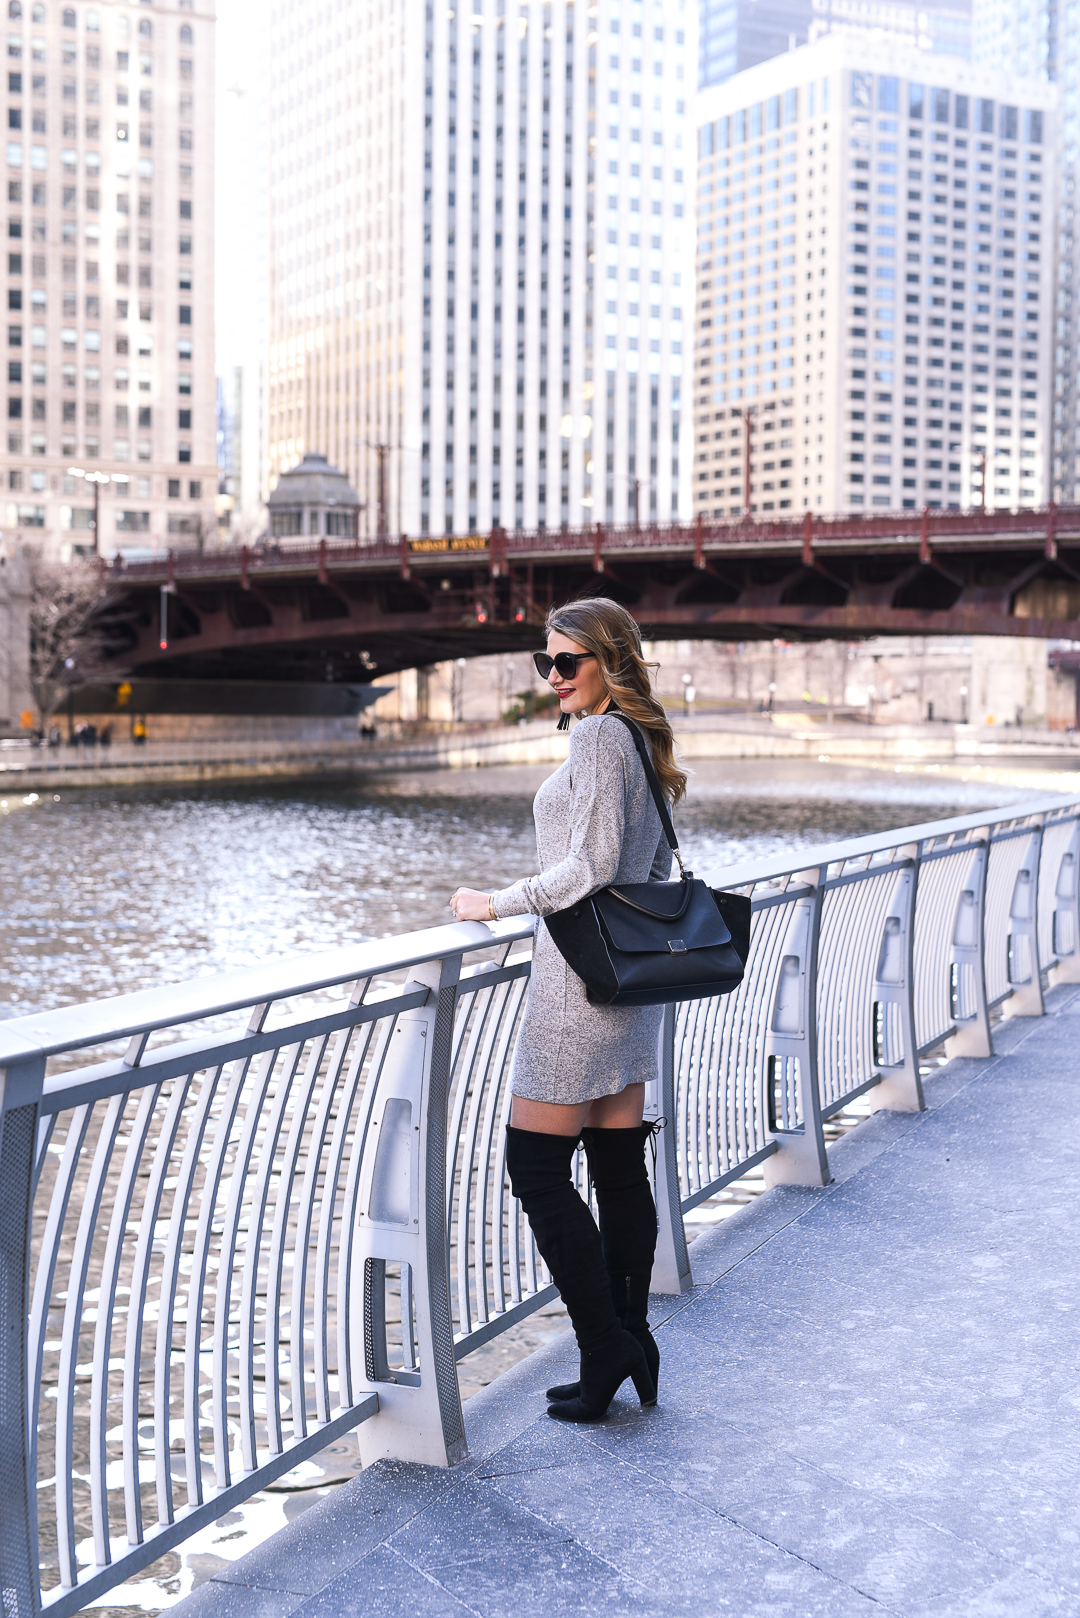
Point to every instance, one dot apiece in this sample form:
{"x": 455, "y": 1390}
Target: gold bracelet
{"x": 491, "y": 908}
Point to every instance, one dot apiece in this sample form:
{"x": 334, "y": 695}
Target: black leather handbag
{"x": 652, "y": 943}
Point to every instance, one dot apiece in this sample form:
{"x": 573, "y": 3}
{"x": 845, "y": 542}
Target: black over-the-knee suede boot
{"x": 569, "y": 1243}
{"x": 627, "y": 1212}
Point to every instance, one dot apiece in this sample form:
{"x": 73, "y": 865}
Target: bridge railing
{"x": 807, "y": 530}
{"x": 243, "y": 1215}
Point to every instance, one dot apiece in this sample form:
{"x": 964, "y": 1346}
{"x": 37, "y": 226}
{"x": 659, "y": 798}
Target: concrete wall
{"x": 477, "y": 690}
{"x": 15, "y": 696}
{"x": 901, "y": 681}
{"x": 989, "y": 680}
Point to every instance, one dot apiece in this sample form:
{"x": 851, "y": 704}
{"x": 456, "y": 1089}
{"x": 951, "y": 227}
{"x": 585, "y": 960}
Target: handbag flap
{"x": 660, "y": 917}
{"x": 665, "y": 900}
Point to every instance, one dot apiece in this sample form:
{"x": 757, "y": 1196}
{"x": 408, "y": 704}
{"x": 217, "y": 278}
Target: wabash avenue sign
{"x": 450, "y": 542}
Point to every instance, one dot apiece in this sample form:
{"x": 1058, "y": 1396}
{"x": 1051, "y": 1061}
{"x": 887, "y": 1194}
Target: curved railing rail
{"x": 245, "y": 1214}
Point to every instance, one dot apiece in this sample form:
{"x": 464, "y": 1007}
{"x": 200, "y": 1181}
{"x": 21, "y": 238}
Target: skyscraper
{"x": 479, "y": 256}
{"x": 109, "y": 272}
{"x": 737, "y": 34}
{"x": 876, "y": 284}
{"x": 1040, "y": 39}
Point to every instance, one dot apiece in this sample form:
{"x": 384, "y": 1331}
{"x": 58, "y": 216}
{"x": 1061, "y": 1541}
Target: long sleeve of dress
{"x": 598, "y": 767}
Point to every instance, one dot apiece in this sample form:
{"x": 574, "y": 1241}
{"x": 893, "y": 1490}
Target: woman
{"x": 580, "y": 1070}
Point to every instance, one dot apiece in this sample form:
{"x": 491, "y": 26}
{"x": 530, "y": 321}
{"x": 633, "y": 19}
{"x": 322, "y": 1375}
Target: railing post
{"x": 20, "y": 1091}
{"x": 671, "y": 1266}
{"x": 1065, "y": 925}
{"x": 403, "y": 1221}
{"x": 793, "y": 1100}
{"x": 1026, "y": 999}
{"x": 967, "y": 970}
{"x": 900, "y": 1087}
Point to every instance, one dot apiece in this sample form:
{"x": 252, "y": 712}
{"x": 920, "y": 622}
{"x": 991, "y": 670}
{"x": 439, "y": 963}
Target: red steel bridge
{"x": 346, "y": 612}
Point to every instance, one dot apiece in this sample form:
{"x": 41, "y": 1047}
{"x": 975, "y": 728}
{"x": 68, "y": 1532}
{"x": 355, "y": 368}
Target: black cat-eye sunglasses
{"x": 564, "y": 663}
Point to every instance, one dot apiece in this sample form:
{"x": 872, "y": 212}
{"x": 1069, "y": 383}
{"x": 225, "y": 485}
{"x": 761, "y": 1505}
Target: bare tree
{"x": 247, "y": 527}
{"x": 66, "y": 640}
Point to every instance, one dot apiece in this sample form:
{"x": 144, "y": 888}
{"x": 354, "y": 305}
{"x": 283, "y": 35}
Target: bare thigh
{"x": 622, "y": 1111}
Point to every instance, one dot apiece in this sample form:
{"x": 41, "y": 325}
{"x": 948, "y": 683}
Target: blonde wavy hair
{"x": 607, "y": 630}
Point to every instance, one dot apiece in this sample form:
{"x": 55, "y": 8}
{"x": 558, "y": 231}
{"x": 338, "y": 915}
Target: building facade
{"x": 1040, "y": 39}
{"x": 480, "y": 260}
{"x": 875, "y": 285}
{"x": 737, "y": 34}
{"x": 313, "y": 501}
{"x": 109, "y": 273}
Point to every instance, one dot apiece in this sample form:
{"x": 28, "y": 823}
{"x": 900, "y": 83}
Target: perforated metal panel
{"x": 18, "y": 1574}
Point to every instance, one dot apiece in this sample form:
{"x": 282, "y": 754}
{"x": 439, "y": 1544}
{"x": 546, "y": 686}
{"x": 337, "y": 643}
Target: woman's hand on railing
{"x": 469, "y": 904}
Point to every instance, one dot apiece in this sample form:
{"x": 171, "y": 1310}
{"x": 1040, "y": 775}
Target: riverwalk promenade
{"x": 868, "y": 1405}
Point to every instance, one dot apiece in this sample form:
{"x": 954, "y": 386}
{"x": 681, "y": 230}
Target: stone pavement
{"x": 869, "y": 1404}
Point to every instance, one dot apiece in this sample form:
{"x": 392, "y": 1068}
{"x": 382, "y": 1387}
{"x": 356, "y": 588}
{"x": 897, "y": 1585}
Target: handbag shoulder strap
{"x": 654, "y": 786}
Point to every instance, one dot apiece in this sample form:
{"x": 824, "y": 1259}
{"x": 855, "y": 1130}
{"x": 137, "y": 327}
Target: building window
{"x": 284, "y": 524}
{"x": 341, "y": 523}
{"x": 132, "y": 522}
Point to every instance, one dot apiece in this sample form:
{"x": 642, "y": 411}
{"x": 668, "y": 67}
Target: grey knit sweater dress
{"x": 596, "y": 823}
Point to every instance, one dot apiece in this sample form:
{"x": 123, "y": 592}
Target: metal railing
{"x": 1042, "y": 525}
{"x": 245, "y": 1214}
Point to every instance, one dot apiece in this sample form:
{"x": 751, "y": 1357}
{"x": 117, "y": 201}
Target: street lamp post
{"x": 97, "y": 479}
{"x": 980, "y": 460}
{"x": 748, "y": 414}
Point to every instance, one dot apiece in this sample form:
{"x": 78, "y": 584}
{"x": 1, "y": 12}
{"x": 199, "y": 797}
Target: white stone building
{"x": 875, "y": 282}
{"x": 109, "y": 340}
{"x": 480, "y": 255}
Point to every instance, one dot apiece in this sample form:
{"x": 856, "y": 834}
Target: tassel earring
{"x": 564, "y": 722}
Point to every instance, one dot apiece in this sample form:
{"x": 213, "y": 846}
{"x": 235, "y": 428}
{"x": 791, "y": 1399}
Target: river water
{"x": 103, "y": 891}
{"x": 107, "y": 890}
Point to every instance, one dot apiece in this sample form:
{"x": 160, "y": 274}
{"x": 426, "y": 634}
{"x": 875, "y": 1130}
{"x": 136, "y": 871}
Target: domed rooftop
{"x": 314, "y": 483}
